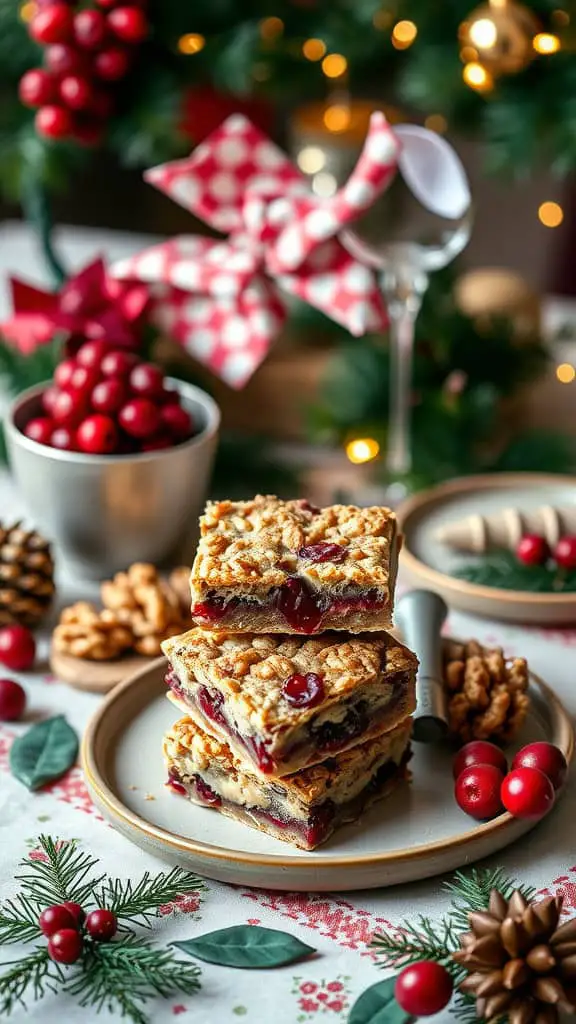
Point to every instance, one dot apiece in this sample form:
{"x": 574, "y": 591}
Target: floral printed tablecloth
{"x": 323, "y": 988}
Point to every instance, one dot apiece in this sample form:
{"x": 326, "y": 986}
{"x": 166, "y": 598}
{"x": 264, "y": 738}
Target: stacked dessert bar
{"x": 297, "y": 703}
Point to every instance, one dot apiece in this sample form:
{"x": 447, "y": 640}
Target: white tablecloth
{"x": 323, "y": 988}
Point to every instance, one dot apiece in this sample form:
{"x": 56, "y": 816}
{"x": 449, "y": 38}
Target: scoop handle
{"x": 420, "y": 615}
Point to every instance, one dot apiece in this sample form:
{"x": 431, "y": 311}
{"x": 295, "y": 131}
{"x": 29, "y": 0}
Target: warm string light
{"x": 477, "y": 77}
{"x": 324, "y": 184}
{"x": 436, "y": 123}
{"x": 560, "y": 17}
{"x": 314, "y": 49}
{"x": 546, "y": 43}
{"x": 334, "y": 65}
{"x": 28, "y": 10}
{"x": 362, "y": 449}
{"x": 311, "y": 159}
{"x": 192, "y": 42}
{"x": 403, "y": 34}
{"x": 271, "y": 28}
{"x": 337, "y": 118}
{"x": 565, "y": 373}
{"x": 483, "y": 33}
{"x": 550, "y": 214}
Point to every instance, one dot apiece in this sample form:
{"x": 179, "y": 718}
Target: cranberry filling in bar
{"x": 303, "y": 809}
{"x": 275, "y": 566}
{"x": 286, "y": 702}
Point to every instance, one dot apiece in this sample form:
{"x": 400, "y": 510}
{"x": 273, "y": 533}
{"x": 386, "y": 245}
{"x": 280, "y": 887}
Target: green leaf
{"x": 246, "y": 945}
{"x": 44, "y": 753}
{"x": 377, "y": 1005}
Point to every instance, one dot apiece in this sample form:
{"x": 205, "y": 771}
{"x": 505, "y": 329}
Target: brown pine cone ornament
{"x": 26, "y": 576}
{"x": 521, "y": 963}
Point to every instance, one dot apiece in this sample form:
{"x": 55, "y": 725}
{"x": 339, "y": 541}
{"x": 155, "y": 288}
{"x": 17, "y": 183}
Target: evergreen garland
{"x": 503, "y": 570}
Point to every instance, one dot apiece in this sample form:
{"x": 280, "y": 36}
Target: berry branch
{"x": 61, "y": 877}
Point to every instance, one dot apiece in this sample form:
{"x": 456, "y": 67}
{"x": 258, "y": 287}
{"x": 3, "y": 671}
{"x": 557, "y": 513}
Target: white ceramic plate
{"x": 430, "y": 563}
{"x": 419, "y": 831}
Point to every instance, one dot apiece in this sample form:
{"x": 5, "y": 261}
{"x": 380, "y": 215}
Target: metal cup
{"x": 104, "y": 512}
{"x": 420, "y": 615}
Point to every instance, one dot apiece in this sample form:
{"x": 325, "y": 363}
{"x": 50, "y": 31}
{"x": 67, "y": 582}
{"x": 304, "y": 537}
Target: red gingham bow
{"x": 223, "y": 299}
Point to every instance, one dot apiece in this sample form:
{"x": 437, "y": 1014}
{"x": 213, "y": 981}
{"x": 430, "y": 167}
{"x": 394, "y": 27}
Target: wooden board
{"x": 95, "y": 676}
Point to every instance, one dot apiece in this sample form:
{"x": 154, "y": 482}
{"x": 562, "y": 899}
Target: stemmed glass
{"x": 420, "y": 224}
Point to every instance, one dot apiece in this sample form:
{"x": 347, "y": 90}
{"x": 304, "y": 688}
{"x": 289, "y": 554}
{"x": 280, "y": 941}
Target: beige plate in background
{"x": 417, "y": 832}
{"x": 95, "y": 676}
{"x": 428, "y": 563}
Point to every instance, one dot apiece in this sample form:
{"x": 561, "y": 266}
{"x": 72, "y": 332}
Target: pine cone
{"x": 26, "y": 576}
{"x": 521, "y": 965}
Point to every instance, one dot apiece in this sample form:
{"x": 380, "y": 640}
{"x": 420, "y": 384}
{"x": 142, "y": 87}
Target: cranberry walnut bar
{"x": 285, "y": 702}
{"x": 272, "y": 566}
{"x": 303, "y": 809}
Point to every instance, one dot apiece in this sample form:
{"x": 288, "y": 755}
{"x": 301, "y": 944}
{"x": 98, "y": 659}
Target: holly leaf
{"x": 377, "y": 1005}
{"x": 44, "y": 753}
{"x": 246, "y": 946}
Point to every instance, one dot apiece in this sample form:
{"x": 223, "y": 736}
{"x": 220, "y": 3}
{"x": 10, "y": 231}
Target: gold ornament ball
{"x": 499, "y": 36}
{"x": 490, "y": 292}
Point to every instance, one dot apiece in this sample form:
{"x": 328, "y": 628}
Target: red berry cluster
{"x": 484, "y": 786}
{"x": 86, "y": 51}
{"x": 107, "y": 401}
{"x": 535, "y": 550}
{"x": 424, "y": 988}
{"x": 63, "y": 926}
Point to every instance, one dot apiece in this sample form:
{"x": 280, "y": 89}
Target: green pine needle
{"x": 472, "y": 892}
{"x": 35, "y": 972}
{"x": 19, "y": 920}
{"x": 63, "y": 876}
{"x": 140, "y": 903}
{"x": 503, "y": 570}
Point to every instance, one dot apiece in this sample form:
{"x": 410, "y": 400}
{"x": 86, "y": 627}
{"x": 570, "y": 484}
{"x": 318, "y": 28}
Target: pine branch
{"x": 119, "y": 976}
{"x": 472, "y": 892}
{"x": 19, "y": 920}
{"x": 18, "y": 371}
{"x": 62, "y": 877}
{"x": 36, "y": 970}
{"x": 140, "y": 903}
{"x": 502, "y": 569}
{"x": 426, "y": 940}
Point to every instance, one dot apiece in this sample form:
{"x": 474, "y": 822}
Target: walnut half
{"x": 487, "y": 693}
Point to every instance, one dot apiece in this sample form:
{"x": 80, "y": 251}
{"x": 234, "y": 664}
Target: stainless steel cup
{"x": 104, "y": 512}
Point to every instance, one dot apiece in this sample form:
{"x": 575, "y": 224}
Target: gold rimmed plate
{"x": 417, "y": 832}
{"x": 428, "y": 562}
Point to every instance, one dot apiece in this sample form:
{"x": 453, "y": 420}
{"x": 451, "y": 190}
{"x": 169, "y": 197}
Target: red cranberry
{"x": 177, "y": 786}
{"x": 129, "y": 24}
{"x": 112, "y": 64}
{"x": 297, "y": 603}
{"x": 69, "y": 408}
{"x": 258, "y": 750}
{"x": 93, "y": 354}
{"x": 546, "y": 758}
{"x": 36, "y": 88}
{"x": 303, "y": 691}
{"x": 52, "y": 121}
{"x": 146, "y": 380}
{"x": 49, "y": 397}
{"x": 213, "y": 609}
{"x": 89, "y": 29}
{"x": 177, "y": 420}
{"x": 139, "y": 417}
{"x": 158, "y": 443}
{"x": 52, "y": 24}
{"x": 63, "y": 372}
{"x": 63, "y": 59}
{"x": 210, "y": 705}
{"x": 65, "y": 946}
{"x": 527, "y": 793}
{"x": 477, "y": 791}
{"x": 64, "y": 439}
{"x": 101, "y": 925}
{"x": 320, "y": 821}
{"x": 39, "y": 429}
{"x": 108, "y": 395}
{"x": 76, "y": 911}
{"x": 424, "y": 988}
{"x": 54, "y": 918}
{"x": 532, "y": 549}
{"x": 479, "y": 752}
{"x": 97, "y": 435}
{"x": 12, "y": 700}
{"x": 305, "y": 506}
{"x": 206, "y": 793}
{"x": 76, "y": 92}
{"x": 565, "y": 552}
{"x": 322, "y": 552}
{"x": 17, "y": 647}
{"x": 84, "y": 379}
{"x": 118, "y": 363}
